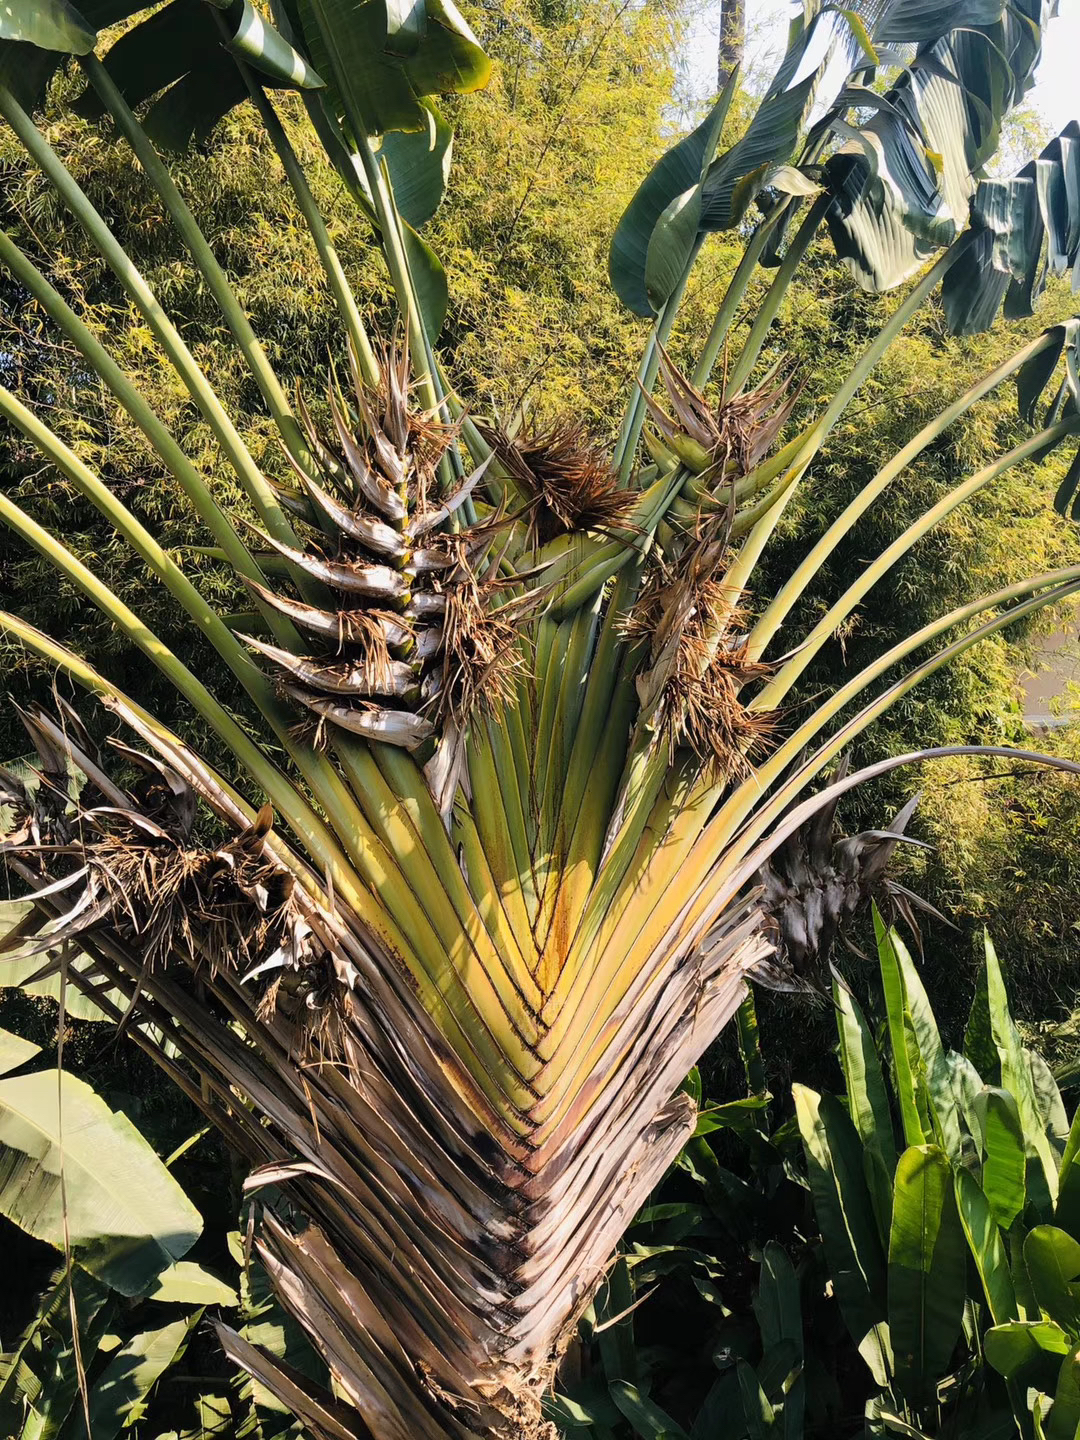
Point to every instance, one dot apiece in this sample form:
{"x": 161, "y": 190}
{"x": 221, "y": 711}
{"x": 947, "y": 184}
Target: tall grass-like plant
{"x": 509, "y": 722}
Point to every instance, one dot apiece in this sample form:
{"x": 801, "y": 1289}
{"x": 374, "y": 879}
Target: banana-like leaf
{"x": 419, "y": 165}
{"x": 903, "y": 181}
{"x": 348, "y": 44}
{"x": 1012, "y": 1347}
{"x": 63, "y": 1149}
{"x": 677, "y": 174}
{"x": 120, "y": 1390}
{"x": 1064, "y": 1421}
{"x": 48, "y": 24}
{"x": 986, "y": 1245}
{"x": 1005, "y": 1164}
{"x": 1067, "y": 1209}
{"x": 645, "y": 1416}
{"x": 843, "y": 1209}
{"x": 185, "y": 1283}
{"x": 927, "y": 1271}
{"x": 15, "y": 1051}
{"x": 1053, "y": 1263}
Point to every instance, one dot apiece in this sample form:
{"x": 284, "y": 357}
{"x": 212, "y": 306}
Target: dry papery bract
{"x": 691, "y": 688}
{"x": 412, "y": 625}
{"x": 728, "y": 439}
{"x": 566, "y": 481}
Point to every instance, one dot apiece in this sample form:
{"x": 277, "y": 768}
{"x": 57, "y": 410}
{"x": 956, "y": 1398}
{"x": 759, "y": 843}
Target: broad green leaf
{"x": 1016, "y": 1073}
{"x": 843, "y": 1209}
{"x": 671, "y": 246}
{"x": 986, "y": 1245}
{"x": 740, "y": 1115}
{"x": 758, "y": 1413}
{"x": 645, "y": 1416}
{"x": 1048, "y": 1101}
{"x": 40, "y": 1384}
{"x": 185, "y": 1283}
{"x": 1005, "y": 1164}
{"x": 979, "y": 1047}
{"x": 256, "y": 41}
{"x": 750, "y": 1045}
{"x": 927, "y": 1271}
{"x": 126, "y": 1216}
{"x": 676, "y": 174}
{"x": 777, "y": 1305}
{"x": 1067, "y": 1210}
{"x": 1064, "y": 1421}
{"x": 902, "y": 1047}
{"x": 1009, "y": 1348}
{"x": 1053, "y": 1263}
{"x": 867, "y": 1097}
{"x": 935, "y": 1066}
{"x": 15, "y": 1051}
{"x": 119, "y": 1391}
{"x": 406, "y": 25}
{"x": 49, "y": 24}
{"x": 616, "y": 1339}
{"x": 419, "y": 165}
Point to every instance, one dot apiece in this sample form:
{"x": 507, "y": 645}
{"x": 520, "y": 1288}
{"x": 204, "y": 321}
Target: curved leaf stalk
{"x": 770, "y": 620}
{"x": 707, "y": 885}
{"x": 781, "y": 683}
{"x": 231, "y": 548}
{"x": 733, "y": 298}
{"x": 254, "y": 482}
{"x": 328, "y": 256}
{"x": 770, "y": 305}
{"x": 634, "y": 416}
{"x": 204, "y": 258}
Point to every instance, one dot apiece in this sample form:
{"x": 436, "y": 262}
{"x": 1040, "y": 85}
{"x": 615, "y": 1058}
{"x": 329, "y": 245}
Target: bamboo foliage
{"x": 514, "y": 761}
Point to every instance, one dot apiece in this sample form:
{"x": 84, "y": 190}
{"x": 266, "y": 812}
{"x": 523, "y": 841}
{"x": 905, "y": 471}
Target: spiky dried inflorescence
{"x": 379, "y": 534}
{"x": 129, "y": 863}
{"x": 567, "y": 480}
{"x": 729, "y": 439}
{"x": 692, "y": 685}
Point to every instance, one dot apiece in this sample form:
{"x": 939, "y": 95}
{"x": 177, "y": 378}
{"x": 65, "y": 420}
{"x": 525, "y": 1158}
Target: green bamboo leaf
{"x": 1004, "y": 1168}
{"x": 119, "y": 1391}
{"x": 1009, "y": 1348}
{"x": 126, "y": 1216}
{"x": 927, "y": 1271}
{"x": 1053, "y": 1263}
{"x": 14, "y": 1050}
{"x": 644, "y": 1415}
{"x": 1064, "y": 1421}
{"x": 986, "y": 1245}
{"x": 48, "y": 24}
{"x": 843, "y": 1209}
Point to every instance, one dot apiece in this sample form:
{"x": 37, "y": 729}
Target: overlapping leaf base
{"x": 457, "y": 1244}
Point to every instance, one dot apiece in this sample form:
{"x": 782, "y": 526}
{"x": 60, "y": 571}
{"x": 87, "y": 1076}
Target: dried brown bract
{"x": 567, "y": 480}
{"x": 698, "y": 668}
{"x": 731, "y": 438}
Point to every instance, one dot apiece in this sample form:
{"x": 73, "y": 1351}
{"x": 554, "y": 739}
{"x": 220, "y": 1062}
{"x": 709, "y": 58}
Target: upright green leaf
{"x": 1067, "y": 1210}
{"x": 987, "y": 1248}
{"x": 1053, "y": 1263}
{"x": 127, "y": 1218}
{"x": 1064, "y": 1421}
{"x": 868, "y": 1099}
{"x": 927, "y": 1271}
{"x": 935, "y": 1066}
{"x": 902, "y": 1047}
{"x": 645, "y": 1416}
{"x": 843, "y": 1209}
{"x": 1005, "y": 1165}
